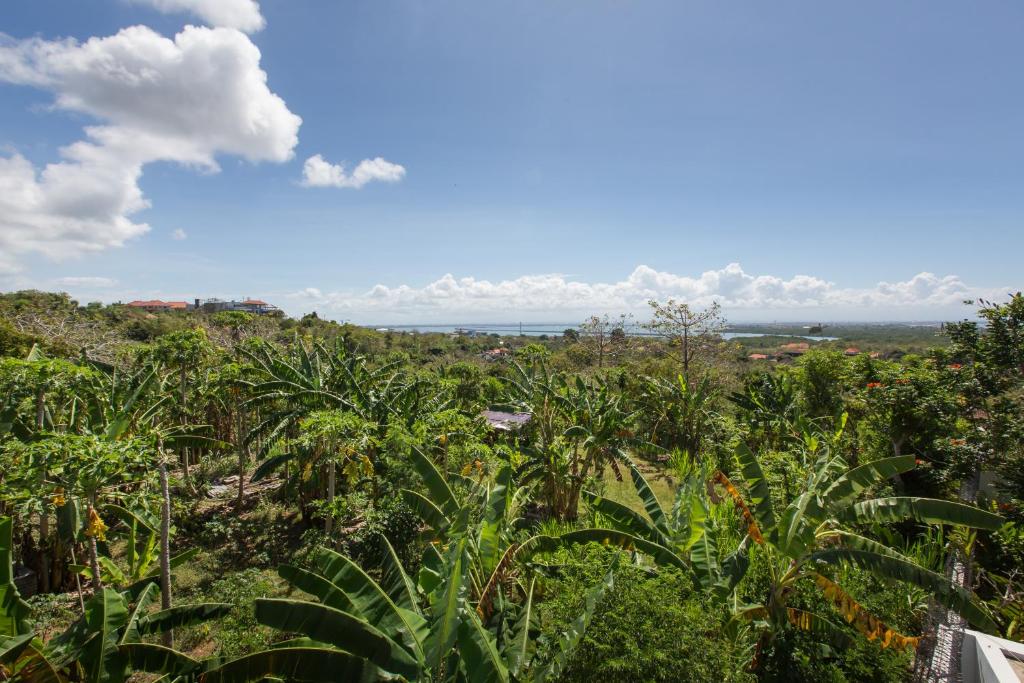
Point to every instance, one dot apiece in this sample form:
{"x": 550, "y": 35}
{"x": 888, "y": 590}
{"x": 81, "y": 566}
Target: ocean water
{"x": 553, "y": 329}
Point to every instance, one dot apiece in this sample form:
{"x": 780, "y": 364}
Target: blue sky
{"x": 554, "y": 158}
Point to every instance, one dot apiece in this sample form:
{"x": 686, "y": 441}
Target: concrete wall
{"x": 983, "y": 659}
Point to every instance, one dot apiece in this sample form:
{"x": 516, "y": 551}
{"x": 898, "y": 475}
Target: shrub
{"x": 649, "y": 627}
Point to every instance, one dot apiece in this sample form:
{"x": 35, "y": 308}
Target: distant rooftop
{"x": 498, "y": 419}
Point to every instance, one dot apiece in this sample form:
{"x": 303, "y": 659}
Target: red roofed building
{"x": 795, "y": 349}
{"x": 852, "y": 351}
{"x": 156, "y": 305}
{"x": 757, "y": 356}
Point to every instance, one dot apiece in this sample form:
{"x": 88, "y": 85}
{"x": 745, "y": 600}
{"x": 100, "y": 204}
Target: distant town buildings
{"x": 255, "y": 306}
{"x": 496, "y": 354}
{"x": 788, "y": 352}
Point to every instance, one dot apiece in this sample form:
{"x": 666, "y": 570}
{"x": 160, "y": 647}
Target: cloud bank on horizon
{"x": 556, "y": 297}
{"x": 186, "y": 99}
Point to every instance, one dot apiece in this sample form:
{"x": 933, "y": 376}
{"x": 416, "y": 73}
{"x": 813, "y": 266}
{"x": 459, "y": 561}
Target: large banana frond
{"x": 184, "y": 615}
{"x": 105, "y": 614}
{"x": 435, "y": 482}
{"x": 449, "y": 607}
{"x": 340, "y": 629}
{"x": 865, "y": 622}
{"x": 316, "y": 585}
{"x": 650, "y": 501}
{"x": 479, "y": 653}
{"x": 888, "y": 567}
{"x": 796, "y": 528}
{"x": 928, "y": 510}
{"x": 624, "y": 518}
{"x": 519, "y": 648}
{"x": 757, "y": 484}
{"x": 300, "y": 664}
{"x": 864, "y": 476}
{"x": 11, "y": 647}
{"x": 395, "y": 582}
{"x": 734, "y": 568}
{"x": 158, "y": 659}
{"x": 704, "y": 561}
{"x": 371, "y": 602}
{"x": 426, "y": 510}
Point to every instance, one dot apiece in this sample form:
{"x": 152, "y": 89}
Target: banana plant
{"x": 13, "y": 610}
{"x": 487, "y": 515}
{"x": 284, "y": 389}
{"x": 597, "y": 432}
{"x": 821, "y": 529}
{"x": 677, "y": 415}
{"x": 105, "y": 644}
{"x": 141, "y": 534}
{"x": 424, "y": 630}
{"x": 769, "y": 404}
{"x": 687, "y": 537}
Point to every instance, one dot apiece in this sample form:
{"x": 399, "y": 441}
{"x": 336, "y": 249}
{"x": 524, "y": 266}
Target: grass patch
{"x": 661, "y": 481}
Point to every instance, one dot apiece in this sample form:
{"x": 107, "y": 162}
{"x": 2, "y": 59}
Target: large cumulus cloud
{"x": 185, "y": 100}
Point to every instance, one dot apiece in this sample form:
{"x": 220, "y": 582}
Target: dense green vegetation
{"x": 230, "y": 498}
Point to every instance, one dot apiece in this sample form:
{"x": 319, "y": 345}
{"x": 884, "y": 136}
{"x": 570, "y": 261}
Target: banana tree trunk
{"x": 78, "y": 580}
{"x": 94, "y": 561}
{"x": 44, "y": 516}
{"x": 331, "y": 474}
{"x": 183, "y": 387}
{"x": 242, "y": 457}
{"x": 165, "y": 546}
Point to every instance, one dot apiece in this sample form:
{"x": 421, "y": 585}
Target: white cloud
{"x": 184, "y": 100}
{"x": 241, "y": 14}
{"x": 179, "y": 234}
{"x": 87, "y": 282}
{"x": 556, "y": 297}
{"x": 319, "y": 173}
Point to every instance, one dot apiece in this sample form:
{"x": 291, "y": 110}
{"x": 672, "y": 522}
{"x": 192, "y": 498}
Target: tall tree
{"x": 693, "y": 331}
{"x": 605, "y": 335}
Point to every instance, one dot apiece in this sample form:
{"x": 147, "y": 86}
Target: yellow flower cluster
{"x": 477, "y": 465}
{"x": 58, "y": 498}
{"x": 96, "y": 528}
{"x": 862, "y": 620}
